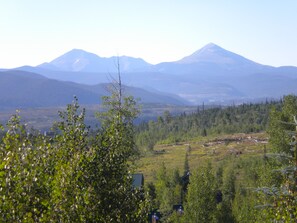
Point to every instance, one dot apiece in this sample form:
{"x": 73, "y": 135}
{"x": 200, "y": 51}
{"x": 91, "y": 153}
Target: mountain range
{"x": 209, "y": 75}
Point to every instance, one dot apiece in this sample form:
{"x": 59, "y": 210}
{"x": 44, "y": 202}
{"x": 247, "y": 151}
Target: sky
{"x": 37, "y": 31}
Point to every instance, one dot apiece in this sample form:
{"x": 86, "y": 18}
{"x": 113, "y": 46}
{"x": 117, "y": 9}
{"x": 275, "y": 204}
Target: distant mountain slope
{"x": 81, "y": 61}
{"x": 81, "y": 77}
{"x": 144, "y": 96}
{"x": 20, "y": 89}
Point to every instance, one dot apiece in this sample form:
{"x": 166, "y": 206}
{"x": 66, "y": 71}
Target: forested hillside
{"x": 223, "y": 177}
{"x": 245, "y": 118}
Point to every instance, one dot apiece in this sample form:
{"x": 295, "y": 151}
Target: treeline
{"x": 245, "y": 118}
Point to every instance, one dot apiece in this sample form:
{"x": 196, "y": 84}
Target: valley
{"x": 148, "y": 111}
{"x": 43, "y": 118}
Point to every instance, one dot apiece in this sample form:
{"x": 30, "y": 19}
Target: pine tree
{"x": 200, "y": 201}
{"x": 283, "y": 134}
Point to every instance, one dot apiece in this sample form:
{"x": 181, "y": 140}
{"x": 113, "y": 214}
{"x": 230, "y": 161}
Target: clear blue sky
{"x": 36, "y": 31}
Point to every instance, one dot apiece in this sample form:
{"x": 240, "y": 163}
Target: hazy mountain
{"x": 78, "y": 60}
{"x": 211, "y": 60}
{"x": 78, "y": 77}
{"x": 210, "y": 75}
{"x": 212, "y": 53}
{"x": 20, "y": 89}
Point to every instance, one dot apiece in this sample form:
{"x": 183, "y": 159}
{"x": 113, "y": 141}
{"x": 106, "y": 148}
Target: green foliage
{"x": 71, "y": 157}
{"x": 151, "y": 194}
{"x": 24, "y": 174}
{"x": 244, "y": 205}
{"x": 113, "y": 153}
{"x": 200, "y": 201}
{"x": 228, "y": 192}
{"x": 168, "y": 191}
{"x": 237, "y": 177}
{"x": 72, "y": 177}
{"x": 186, "y": 164}
{"x": 279, "y": 124}
{"x": 244, "y": 118}
{"x": 77, "y": 176}
{"x": 283, "y": 132}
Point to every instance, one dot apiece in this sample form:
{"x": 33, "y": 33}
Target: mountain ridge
{"x": 209, "y": 75}
{"x": 77, "y": 60}
{"x": 80, "y": 60}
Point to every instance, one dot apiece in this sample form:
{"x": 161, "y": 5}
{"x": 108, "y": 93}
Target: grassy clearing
{"x": 213, "y": 149}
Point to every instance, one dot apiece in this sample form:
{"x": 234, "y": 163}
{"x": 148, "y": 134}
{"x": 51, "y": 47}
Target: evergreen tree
{"x": 228, "y": 194}
{"x": 168, "y": 191}
{"x": 279, "y": 124}
{"x": 283, "y": 134}
{"x": 200, "y": 201}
